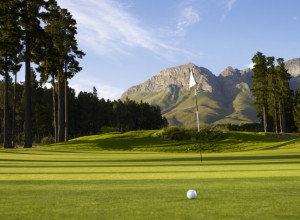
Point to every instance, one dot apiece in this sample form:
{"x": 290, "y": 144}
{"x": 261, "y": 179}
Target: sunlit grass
{"x": 144, "y": 141}
{"x": 66, "y": 181}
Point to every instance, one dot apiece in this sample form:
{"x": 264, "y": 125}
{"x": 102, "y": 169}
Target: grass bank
{"x": 144, "y": 141}
{"x": 70, "y": 184}
{"x": 106, "y": 177}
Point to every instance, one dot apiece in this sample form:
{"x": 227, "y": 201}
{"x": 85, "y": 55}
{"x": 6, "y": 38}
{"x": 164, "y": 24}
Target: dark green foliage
{"x": 285, "y": 97}
{"x": 260, "y": 89}
{"x": 63, "y": 52}
{"x": 254, "y": 127}
{"x": 272, "y": 93}
{"x": 176, "y": 133}
{"x": 296, "y": 112}
{"x": 107, "y": 129}
{"x": 88, "y": 114}
{"x": 10, "y": 49}
{"x": 180, "y": 134}
{"x": 33, "y": 46}
{"x": 48, "y": 140}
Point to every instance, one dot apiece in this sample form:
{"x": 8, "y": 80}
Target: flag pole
{"x": 200, "y": 148}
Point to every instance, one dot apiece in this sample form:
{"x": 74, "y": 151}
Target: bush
{"x": 107, "y": 129}
{"x": 48, "y": 140}
{"x": 252, "y": 127}
{"x": 179, "y": 134}
{"x": 209, "y": 134}
{"x": 173, "y": 133}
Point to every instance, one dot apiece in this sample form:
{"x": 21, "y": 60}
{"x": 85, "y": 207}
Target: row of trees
{"x": 273, "y": 96}
{"x": 37, "y": 31}
{"x": 87, "y": 113}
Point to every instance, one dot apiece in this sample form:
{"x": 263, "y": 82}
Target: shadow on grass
{"x": 257, "y": 158}
{"x": 121, "y": 143}
{"x": 80, "y": 183}
{"x": 283, "y": 144}
{"x": 146, "y": 172}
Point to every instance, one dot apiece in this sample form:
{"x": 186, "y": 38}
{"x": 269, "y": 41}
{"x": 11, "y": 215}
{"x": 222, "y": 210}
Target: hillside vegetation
{"x": 148, "y": 141}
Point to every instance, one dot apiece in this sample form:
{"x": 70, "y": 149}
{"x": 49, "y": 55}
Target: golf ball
{"x": 191, "y": 194}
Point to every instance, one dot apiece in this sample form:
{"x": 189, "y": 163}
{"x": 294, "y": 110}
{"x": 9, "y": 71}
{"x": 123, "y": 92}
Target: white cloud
{"x": 80, "y": 83}
{"x": 189, "y": 16}
{"x": 250, "y": 65}
{"x": 228, "y": 4}
{"x": 107, "y": 27}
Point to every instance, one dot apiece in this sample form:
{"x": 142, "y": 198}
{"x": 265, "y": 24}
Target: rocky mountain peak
{"x": 293, "y": 66}
{"x": 229, "y": 71}
{"x": 222, "y": 99}
{"x": 175, "y": 78}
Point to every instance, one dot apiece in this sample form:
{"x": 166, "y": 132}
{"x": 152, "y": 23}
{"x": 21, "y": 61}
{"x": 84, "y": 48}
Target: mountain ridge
{"x": 222, "y": 99}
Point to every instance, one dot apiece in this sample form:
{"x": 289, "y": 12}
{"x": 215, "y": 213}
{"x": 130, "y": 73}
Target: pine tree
{"x": 296, "y": 112}
{"x": 260, "y": 90}
{"x": 285, "y": 95}
{"x": 272, "y": 91}
{"x": 61, "y": 28}
{"x": 10, "y": 49}
{"x": 33, "y": 40}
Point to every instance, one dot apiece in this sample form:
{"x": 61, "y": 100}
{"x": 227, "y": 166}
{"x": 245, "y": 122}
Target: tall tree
{"x": 272, "y": 91}
{"x": 260, "y": 90}
{"x": 62, "y": 29}
{"x": 296, "y": 112}
{"x": 71, "y": 52}
{"x": 285, "y": 98}
{"x": 33, "y": 38}
{"x": 51, "y": 64}
{"x": 10, "y": 49}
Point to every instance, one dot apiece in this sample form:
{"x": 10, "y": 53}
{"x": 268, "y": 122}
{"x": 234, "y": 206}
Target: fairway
{"x": 45, "y": 183}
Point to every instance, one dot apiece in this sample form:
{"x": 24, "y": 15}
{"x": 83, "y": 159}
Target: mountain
{"x": 293, "y": 67}
{"x": 221, "y": 99}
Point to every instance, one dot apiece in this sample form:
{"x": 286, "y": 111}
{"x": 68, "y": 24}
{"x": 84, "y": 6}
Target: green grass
{"x": 102, "y": 177}
{"x": 143, "y": 141}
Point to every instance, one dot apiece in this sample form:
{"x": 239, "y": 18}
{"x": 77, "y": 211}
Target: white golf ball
{"x": 191, "y": 194}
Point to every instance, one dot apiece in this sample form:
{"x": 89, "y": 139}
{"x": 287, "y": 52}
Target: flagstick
{"x": 198, "y": 121}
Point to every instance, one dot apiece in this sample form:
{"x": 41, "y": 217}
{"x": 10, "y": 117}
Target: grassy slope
{"x": 143, "y": 141}
{"x": 77, "y": 180}
{"x": 243, "y": 111}
{"x": 181, "y": 110}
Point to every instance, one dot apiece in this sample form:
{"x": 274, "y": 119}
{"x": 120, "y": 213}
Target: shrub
{"x": 179, "y": 134}
{"x": 107, "y": 129}
{"x": 48, "y": 140}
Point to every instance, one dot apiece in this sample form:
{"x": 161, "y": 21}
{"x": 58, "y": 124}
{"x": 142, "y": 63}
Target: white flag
{"x": 192, "y": 80}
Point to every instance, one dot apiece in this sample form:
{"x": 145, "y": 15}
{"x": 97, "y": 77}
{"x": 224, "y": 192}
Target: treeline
{"x": 41, "y": 32}
{"x": 276, "y": 105}
{"x": 87, "y": 113}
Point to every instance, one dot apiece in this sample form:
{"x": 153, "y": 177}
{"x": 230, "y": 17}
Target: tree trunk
{"x": 283, "y": 118}
{"x": 265, "y": 118}
{"x": 54, "y": 111}
{"x": 280, "y": 116}
{"x": 28, "y": 141}
{"x": 275, "y": 115}
{"x": 66, "y": 111}
{"x": 7, "y": 134}
{"x": 60, "y": 110}
{"x": 14, "y": 114}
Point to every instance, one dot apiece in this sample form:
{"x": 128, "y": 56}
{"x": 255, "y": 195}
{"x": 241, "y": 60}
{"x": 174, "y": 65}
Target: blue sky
{"x": 129, "y": 41}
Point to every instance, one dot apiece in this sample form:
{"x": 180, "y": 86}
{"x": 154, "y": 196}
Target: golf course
{"x": 135, "y": 175}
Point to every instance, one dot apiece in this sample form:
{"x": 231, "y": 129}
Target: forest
{"x": 44, "y": 34}
{"x": 276, "y": 104}
{"x": 88, "y": 115}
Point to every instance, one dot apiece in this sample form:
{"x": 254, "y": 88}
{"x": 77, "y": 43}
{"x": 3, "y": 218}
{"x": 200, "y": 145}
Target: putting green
{"x": 45, "y": 183}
